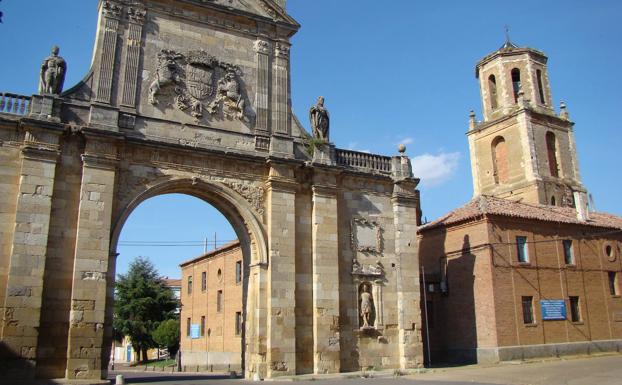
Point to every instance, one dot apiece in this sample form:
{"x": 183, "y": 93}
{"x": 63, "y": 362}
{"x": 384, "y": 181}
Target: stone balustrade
{"x": 14, "y": 104}
{"x": 364, "y": 161}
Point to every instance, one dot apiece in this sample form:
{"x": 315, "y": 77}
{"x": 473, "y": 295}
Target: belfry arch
{"x": 168, "y": 109}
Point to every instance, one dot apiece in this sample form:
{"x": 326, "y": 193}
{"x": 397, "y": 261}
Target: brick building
{"x": 211, "y": 310}
{"x": 524, "y": 269}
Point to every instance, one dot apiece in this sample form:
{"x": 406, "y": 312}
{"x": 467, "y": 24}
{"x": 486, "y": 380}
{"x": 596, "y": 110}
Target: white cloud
{"x": 406, "y": 141}
{"x": 435, "y": 169}
{"x": 353, "y": 146}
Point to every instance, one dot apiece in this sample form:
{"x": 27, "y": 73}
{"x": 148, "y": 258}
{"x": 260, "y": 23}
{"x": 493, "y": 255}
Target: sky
{"x": 399, "y": 71}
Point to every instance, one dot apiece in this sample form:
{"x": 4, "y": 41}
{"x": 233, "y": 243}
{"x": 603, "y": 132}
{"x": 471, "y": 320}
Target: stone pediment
{"x": 266, "y": 8}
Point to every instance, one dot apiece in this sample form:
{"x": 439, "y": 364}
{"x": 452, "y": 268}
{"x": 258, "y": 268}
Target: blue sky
{"x": 399, "y": 71}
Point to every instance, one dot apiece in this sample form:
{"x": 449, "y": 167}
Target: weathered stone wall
{"x": 57, "y": 285}
{"x": 157, "y": 114}
{"x": 369, "y": 213}
{"x": 9, "y": 185}
{"x": 523, "y": 122}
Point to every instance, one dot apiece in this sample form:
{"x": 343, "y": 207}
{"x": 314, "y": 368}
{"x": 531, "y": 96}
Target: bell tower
{"x": 522, "y": 150}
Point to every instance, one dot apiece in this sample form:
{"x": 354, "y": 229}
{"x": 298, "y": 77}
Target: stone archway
{"x": 247, "y": 226}
{"x": 206, "y": 110}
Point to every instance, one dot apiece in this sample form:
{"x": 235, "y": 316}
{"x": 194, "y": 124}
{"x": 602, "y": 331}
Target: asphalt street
{"x": 601, "y": 370}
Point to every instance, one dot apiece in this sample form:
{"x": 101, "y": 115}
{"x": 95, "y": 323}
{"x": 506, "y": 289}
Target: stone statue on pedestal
{"x": 366, "y": 307}
{"x": 319, "y": 120}
{"x": 52, "y": 74}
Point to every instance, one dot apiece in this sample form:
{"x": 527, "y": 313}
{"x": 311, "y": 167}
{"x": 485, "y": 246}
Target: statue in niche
{"x": 228, "y": 92}
{"x": 320, "y": 120}
{"x": 367, "y": 306}
{"x": 52, "y": 74}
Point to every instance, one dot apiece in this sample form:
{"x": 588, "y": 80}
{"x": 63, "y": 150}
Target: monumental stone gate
{"x": 193, "y": 97}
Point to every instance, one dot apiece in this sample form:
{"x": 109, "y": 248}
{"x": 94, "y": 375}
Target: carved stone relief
{"x": 200, "y": 82}
{"x": 111, "y": 9}
{"x": 136, "y": 15}
{"x": 366, "y": 236}
{"x": 253, "y": 194}
{"x": 376, "y": 270}
{"x": 281, "y": 50}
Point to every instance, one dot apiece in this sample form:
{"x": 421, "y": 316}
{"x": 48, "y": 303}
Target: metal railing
{"x": 14, "y": 104}
{"x": 363, "y": 160}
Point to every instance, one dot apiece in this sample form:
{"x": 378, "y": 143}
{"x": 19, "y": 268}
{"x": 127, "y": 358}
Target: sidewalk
{"x": 603, "y": 369}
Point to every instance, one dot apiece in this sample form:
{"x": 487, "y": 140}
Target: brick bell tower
{"x": 522, "y": 150}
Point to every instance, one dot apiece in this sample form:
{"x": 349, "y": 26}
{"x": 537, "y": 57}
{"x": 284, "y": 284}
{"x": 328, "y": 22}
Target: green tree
{"x": 167, "y": 335}
{"x": 142, "y": 302}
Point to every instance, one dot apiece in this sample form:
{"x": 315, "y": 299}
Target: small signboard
{"x": 553, "y": 309}
{"x": 194, "y": 331}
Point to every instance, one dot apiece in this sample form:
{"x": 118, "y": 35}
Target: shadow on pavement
{"x": 140, "y": 379}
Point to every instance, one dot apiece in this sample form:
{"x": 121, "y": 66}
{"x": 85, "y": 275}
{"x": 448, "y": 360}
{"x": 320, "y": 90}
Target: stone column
{"x": 325, "y": 273}
{"x": 111, "y": 12}
{"x": 281, "y": 318}
{"x": 281, "y": 142}
{"x": 89, "y": 288}
{"x": 262, "y": 99}
{"x": 24, "y": 292}
{"x": 281, "y": 121}
{"x": 255, "y": 338}
{"x": 405, "y": 202}
{"x": 379, "y": 303}
{"x": 136, "y": 17}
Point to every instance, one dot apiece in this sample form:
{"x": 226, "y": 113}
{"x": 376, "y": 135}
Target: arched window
{"x": 500, "y": 160}
{"x": 515, "y": 83}
{"x": 540, "y": 88}
{"x": 553, "y": 201}
{"x": 492, "y": 89}
{"x": 551, "y": 150}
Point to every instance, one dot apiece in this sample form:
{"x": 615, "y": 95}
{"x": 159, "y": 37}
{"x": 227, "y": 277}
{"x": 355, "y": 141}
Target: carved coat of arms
{"x": 199, "y": 78}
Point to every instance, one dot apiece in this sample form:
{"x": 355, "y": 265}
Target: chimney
{"x": 580, "y": 202}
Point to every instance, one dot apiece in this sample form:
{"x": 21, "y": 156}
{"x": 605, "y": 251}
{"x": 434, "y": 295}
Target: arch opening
{"x": 551, "y": 150}
{"x": 232, "y": 261}
{"x": 500, "y": 160}
{"x": 492, "y": 89}
{"x": 516, "y": 83}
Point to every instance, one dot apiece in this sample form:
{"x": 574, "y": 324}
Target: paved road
{"x": 190, "y": 379}
{"x": 605, "y": 370}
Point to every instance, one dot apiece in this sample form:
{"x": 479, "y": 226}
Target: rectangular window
{"x": 204, "y": 281}
{"x": 189, "y": 284}
{"x": 188, "y": 322}
{"x": 521, "y": 248}
{"x": 202, "y": 330}
{"x": 568, "y": 253}
{"x": 613, "y": 283}
{"x": 238, "y": 323}
{"x": 238, "y": 272}
{"x": 219, "y": 301}
{"x": 575, "y": 310}
{"x": 527, "y": 310}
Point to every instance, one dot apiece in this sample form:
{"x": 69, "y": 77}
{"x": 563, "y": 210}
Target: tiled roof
{"x": 212, "y": 253}
{"x": 486, "y": 205}
{"x": 169, "y": 282}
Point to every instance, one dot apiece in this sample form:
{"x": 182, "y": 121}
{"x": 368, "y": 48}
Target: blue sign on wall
{"x": 194, "y": 331}
{"x": 553, "y": 309}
